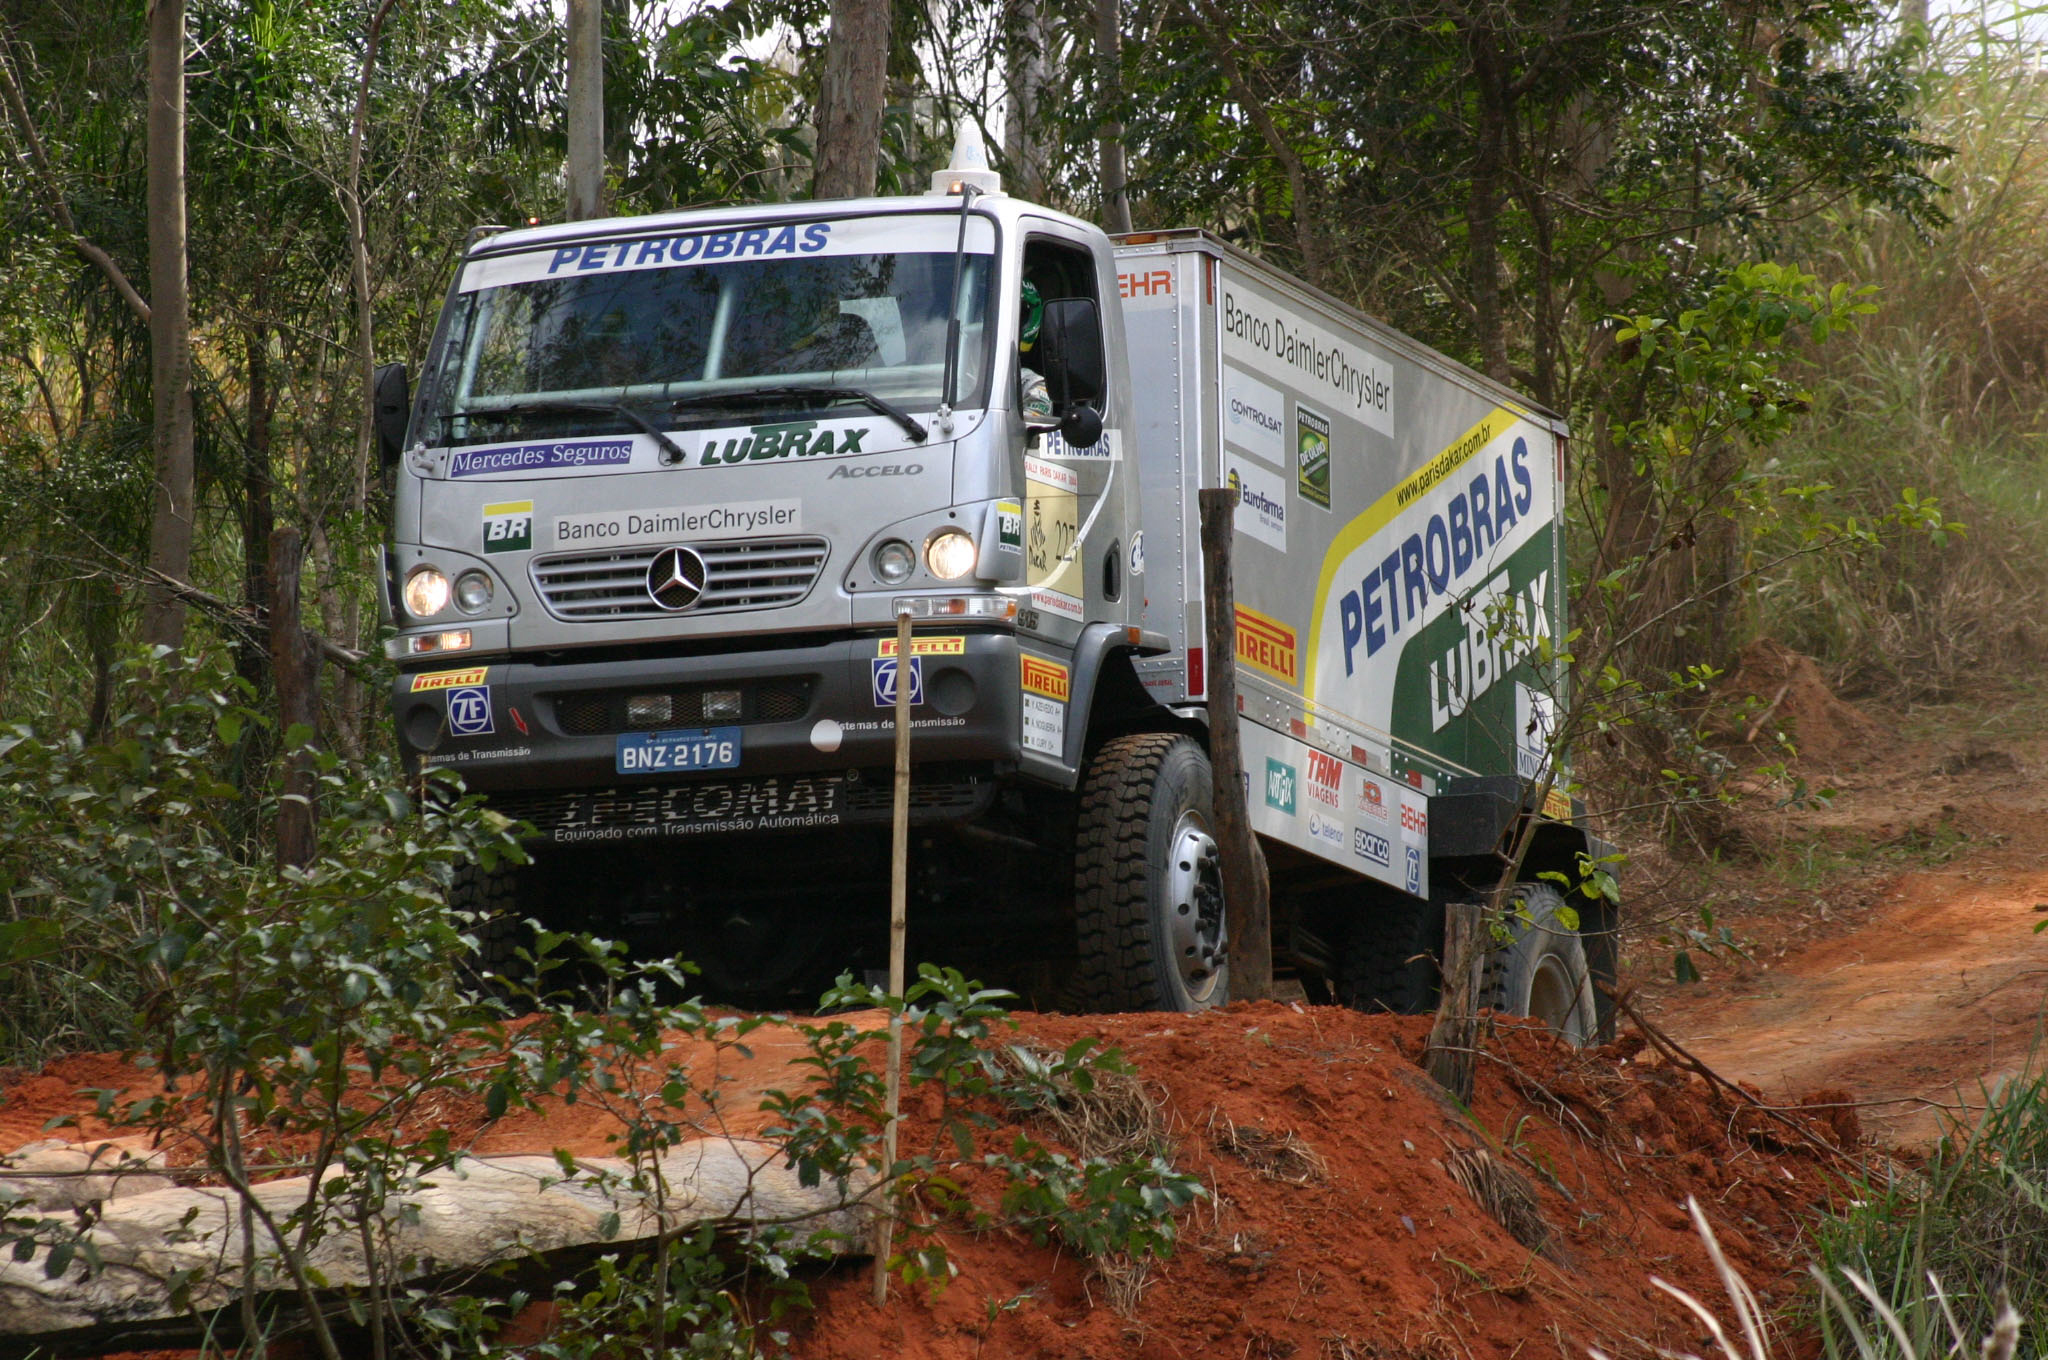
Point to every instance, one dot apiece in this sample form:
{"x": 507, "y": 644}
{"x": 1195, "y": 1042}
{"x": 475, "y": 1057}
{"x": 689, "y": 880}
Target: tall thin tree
{"x": 586, "y": 109}
{"x": 170, "y": 331}
{"x": 1109, "y": 73}
{"x": 850, "y": 103}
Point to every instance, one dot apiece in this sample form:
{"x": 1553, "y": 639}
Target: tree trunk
{"x": 1307, "y": 230}
{"x": 1454, "y": 1036}
{"x": 1109, "y": 93}
{"x": 484, "y": 1212}
{"x": 170, "y": 331}
{"x": 296, "y": 665}
{"x": 258, "y": 515}
{"x": 1483, "y": 205}
{"x": 365, "y": 356}
{"x": 1028, "y": 40}
{"x": 850, "y": 104}
{"x": 1247, "y": 888}
{"x": 586, "y": 109}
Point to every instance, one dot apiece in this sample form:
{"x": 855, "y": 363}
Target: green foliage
{"x": 1944, "y": 391}
{"x": 137, "y": 875}
{"x": 1941, "y": 1250}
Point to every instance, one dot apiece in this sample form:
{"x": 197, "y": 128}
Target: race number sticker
{"x": 1046, "y": 687}
{"x": 1052, "y": 521}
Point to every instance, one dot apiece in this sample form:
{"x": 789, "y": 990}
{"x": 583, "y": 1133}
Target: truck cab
{"x": 665, "y": 486}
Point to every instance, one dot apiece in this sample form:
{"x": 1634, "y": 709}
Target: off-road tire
{"x": 499, "y": 927}
{"x": 1390, "y": 958}
{"x": 1541, "y": 971}
{"x": 1141, "y": 795}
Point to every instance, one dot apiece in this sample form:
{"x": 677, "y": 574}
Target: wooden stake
{"x": 1452, "y": 1051}
{"x": 899, "y": 928}
{"x": 1247, "y": 889}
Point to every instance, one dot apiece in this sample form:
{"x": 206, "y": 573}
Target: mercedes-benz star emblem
{"x": 675, "y": 578}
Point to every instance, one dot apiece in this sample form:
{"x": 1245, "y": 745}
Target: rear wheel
{"x": 1542, "y": 972}
{"x": 1148, "y": 880}
{"x": 1390, "y": 957}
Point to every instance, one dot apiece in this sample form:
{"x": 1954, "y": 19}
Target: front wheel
{"x": 1541, "y": 972}
{"x": 1148, "y": 880}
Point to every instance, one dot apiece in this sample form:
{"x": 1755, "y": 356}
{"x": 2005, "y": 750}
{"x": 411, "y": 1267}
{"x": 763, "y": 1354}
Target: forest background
{"x": 1510, "y": 182}
{"x": 1780, "y": 264}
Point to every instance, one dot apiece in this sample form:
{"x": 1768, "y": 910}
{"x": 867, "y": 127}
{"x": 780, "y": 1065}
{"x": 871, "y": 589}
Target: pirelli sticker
{"x": 449, "y": 679}
{"x": 1044, "y": 707}
{"x": 1048, "y": 678}
{"x": 925, "y": 646}
{"x": 1557, "y": 804}
{"x": 1264, "y": 643}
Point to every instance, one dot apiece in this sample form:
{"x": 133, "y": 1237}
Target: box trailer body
{"x": 667, "y": 483}
{"x": 1396, "y": 555}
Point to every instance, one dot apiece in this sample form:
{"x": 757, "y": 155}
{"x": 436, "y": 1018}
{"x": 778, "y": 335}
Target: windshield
{"x": 687, "y": 342}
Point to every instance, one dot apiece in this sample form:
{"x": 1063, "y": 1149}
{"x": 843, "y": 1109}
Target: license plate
{"x": 695, "y": 748}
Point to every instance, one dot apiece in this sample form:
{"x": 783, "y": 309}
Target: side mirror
{"x": 1081, "y": 427}
{"x": 1076, "y": 369}
{"x": 391, "y": 408}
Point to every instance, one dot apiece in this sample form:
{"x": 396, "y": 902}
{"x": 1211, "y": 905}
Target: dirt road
{"x": 1903, "y": 963}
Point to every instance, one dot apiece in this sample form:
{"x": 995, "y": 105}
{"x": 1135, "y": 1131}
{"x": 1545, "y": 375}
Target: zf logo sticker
{"x": 1280, "y": 786}
{"x": 885, "y": 681}
{"x": 469, "y": 711}
{"x": 508, "y": 527}
{"x": 1414, "y": 870}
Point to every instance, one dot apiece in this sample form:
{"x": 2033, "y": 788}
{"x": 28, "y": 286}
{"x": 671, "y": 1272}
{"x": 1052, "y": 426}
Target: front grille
{"x": 763, "y": 574}
{"x": 590, "y": 713}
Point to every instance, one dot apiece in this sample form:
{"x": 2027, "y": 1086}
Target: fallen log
{"x": 180, "y": 1252}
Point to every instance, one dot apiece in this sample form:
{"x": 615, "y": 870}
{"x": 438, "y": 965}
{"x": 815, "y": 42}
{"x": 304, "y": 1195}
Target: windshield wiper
{"x": 673, "y": 451}
{"x": 909, "y": 422}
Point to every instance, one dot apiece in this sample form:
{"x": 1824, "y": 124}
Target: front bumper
{"x": 565, "y": 745}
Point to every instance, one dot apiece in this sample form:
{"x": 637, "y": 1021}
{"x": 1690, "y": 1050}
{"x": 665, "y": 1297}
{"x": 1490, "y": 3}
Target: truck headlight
{"x": 473, "y": 592}
{"x": 893, "y": 560}
{"x": 425, "y": 593}
{"x": 950, "y": 554}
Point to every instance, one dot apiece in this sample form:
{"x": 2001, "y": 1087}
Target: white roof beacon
{"x": 969, "y": 166}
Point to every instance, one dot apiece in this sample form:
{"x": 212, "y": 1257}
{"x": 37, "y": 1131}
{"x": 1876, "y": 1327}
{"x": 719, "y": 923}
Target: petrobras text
{"x": 1435, "y": 543}
{"x": 551, "y": 256}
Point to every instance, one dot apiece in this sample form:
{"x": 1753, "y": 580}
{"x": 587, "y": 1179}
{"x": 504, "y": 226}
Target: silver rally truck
{"x": 666, "y": 483}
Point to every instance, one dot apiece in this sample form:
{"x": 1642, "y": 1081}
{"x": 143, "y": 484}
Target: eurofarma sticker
{"x": 1261, "y": 501}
